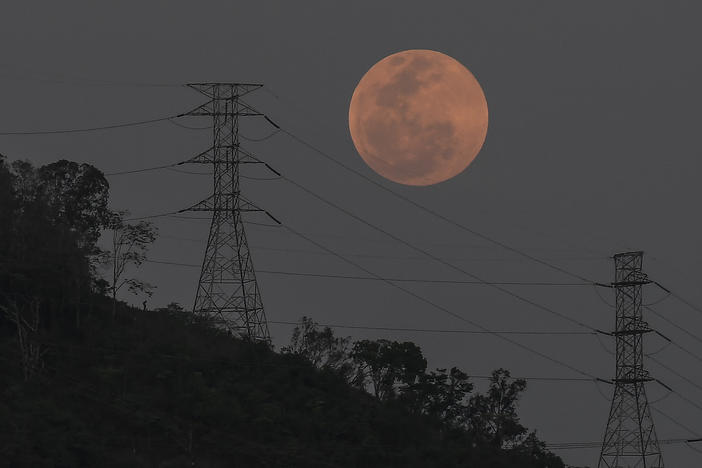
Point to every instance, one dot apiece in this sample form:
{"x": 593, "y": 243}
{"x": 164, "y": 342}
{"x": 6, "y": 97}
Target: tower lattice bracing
{"x": 227, "y": 292}
{"x": 630, "y": 438}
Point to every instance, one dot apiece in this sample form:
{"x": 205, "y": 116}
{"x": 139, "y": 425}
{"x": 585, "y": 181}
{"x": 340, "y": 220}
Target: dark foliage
{"x": 83, "y": 387}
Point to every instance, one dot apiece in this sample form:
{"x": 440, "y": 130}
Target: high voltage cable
{"x": 588, "y": 445}
{"x": 145, "y": 169}
{"x": 434, "y": 330}
{"x": 188, "y": 127}
{"x": 181, "y": 171}
{"x": 264, "y": 138}
{"x": 697, "y": 437}
{"x": 176, "y": 215}
{"x": 93, "y": 129}
{"x": 391, "y": 257}
{"x": 436, "y": 244}
{"x": 371, "y": 278}
{"x": 54, "y": 78}
{"x": 419, "y": 280}
{"x": 159, "y": 215}
{"x": 673, "y": 324}
{"x": 676, "y": 373}
{"x": 686, "y": 302}
{"x": 244, "y": 363}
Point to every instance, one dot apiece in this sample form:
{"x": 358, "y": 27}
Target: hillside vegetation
{"x": 88, "y": 381}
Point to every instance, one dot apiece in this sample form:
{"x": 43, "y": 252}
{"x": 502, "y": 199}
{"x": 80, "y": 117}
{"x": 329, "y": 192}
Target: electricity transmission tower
{"x": 227, "y": 291}
{"x": 630, "y": 438}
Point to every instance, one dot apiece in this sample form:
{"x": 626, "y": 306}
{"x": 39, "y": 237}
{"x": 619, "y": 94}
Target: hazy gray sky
{"x": 592, "y": 148}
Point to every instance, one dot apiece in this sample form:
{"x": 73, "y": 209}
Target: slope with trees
{"x": 90, "y": 381}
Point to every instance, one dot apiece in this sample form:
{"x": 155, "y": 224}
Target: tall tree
{"x": 77, "y": 196}
{"x": 440, "y": 394}
{"x": 320, "y": 347}
{"x": 385, "y": 365}
{"x": 130, "y": 242}
{"x": 58, "y": 211}
{"x": 492, "y": 417}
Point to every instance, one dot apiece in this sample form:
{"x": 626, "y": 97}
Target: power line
{"x": 264, "y": 138}
{"x": 158, "y": 215}
{"x": 676, "y": 373}
{"x": 371, "y": 278}
{"x": 679, "y": 424}
{"x": 686, "y": 302}
{"x": 188, "y": 127}
{"x": 386, "y": 241}
{"x": 181, "y": 171}
{"x": 55, "y": 78}
{"x": 593, "y": 445}
{"x": 673, "y": 324}
{"x": 434, "y": 330}
{"x": 388, "y": 257}
{"x": 145, "y": 169}
{"x": 93, "y": 129}
{"x": 417, "y": 280}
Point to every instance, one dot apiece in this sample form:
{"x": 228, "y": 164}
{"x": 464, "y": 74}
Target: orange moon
{"x": 418, "y": 117}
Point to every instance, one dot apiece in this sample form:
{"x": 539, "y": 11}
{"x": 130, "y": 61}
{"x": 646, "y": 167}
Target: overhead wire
{"x": 673, "y": 324}
{"x": 371, "y": 278}
{"x": 188, "y": 127}
{"x": 264, "y": 138}
{"x": 92, "y": 129}
{"x": 676, "y": 373}
{"x": 399, "y": 257}
{"x": 181, "y": 171}
{"x": 593, "y": 445}
{"x": 144, "y": 169}
{"x": 696, "y": 435}
{"x": 690, "y": 304}
{"x": 53, "y": 78}
{"x": 443, "y": 330}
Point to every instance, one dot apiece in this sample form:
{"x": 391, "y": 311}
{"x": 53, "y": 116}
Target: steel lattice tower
{"x": 630, "y": 438}
{"x": 227, "y": 291}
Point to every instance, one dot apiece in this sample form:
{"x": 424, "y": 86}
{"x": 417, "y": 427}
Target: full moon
{"x": 418, "y": 117}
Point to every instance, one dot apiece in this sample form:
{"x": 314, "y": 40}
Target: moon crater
{"x": 418, "y": 117}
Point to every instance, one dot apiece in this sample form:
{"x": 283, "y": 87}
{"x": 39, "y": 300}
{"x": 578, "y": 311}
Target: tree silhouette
{"x": 320, "y": 347}
{"x": 130, "y": 242}
{"x": 492, "y": 417}
{"x": 384, "y": 365}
